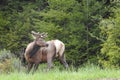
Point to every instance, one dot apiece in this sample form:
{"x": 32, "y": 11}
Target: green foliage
{"x": 75, "y": 22}
{"x": 8, "y": 62}
{"x": 110, "y": 30}
{"x": 15, "y": 29}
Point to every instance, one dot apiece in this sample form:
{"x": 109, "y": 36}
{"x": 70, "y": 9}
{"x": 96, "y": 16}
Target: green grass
{"x": 84, "y": 73}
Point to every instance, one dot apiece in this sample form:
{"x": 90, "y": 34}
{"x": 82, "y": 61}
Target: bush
{"x": 8, "y": 62}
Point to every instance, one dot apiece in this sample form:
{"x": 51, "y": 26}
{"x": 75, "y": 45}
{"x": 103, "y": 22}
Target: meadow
{"x": 83, "y": 73}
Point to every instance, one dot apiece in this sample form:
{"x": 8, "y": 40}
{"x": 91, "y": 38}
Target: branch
{"x": 96, "y": 37}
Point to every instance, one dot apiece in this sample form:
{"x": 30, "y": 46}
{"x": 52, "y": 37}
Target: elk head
{"x": 39, "y": 38}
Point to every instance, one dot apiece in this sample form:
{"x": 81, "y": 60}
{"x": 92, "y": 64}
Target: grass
{"x": 84, "y": 73}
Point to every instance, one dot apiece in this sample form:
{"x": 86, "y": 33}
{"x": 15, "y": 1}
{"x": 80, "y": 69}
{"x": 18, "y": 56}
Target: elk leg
{"x": 50, "y": 64}
{"x": 35, "y": 67}
{"x": 30, "y": 65}
{"x": 63, "y": 61}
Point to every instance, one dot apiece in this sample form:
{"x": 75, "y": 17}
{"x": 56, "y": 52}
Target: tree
{"x": 75, "y": 22}
{"x": 110, "y": 31}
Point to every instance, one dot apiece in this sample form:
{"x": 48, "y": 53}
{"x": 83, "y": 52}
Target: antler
{"x": 34, "y": 33}
{"x": 37, "y": 34}
{"x": 43, "y": 35}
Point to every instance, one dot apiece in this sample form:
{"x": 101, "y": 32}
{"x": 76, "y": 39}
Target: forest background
{"x": 90, "y": 29}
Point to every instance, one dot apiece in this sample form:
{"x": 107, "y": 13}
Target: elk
{"x": 31, "y": 54}
{"x": 44, "y": 52}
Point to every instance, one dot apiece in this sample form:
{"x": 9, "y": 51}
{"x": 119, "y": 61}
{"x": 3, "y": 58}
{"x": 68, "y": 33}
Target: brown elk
{"x": 44, "y": 52}
{"x": 31, "y": 54}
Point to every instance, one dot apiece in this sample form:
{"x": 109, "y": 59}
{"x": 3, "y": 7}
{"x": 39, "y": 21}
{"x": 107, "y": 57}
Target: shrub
{"x": 8, "y": 62}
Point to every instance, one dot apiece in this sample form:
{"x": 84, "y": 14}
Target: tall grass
{"x": 10, "y": 69}
{"x": 84, "y": 73}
